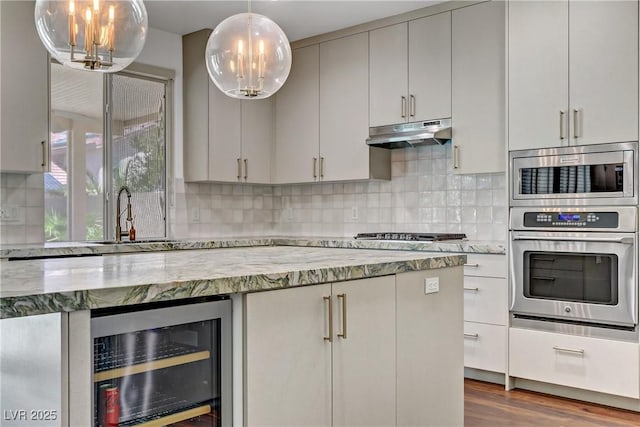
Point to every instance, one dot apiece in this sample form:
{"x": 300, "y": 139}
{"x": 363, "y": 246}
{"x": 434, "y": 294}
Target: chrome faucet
{"x": 119, "y": 232}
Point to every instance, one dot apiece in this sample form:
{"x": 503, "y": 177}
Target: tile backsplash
{"x": 423, "y": 195}
{"x": 21, "y": 208}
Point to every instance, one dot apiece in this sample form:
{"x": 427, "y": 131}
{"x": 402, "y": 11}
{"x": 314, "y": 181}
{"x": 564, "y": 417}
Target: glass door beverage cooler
{"x": 168, "y": 366}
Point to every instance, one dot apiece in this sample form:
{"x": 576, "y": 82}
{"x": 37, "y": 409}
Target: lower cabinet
{"x": 594, "y": 364}
{"x": 370, "y": 352}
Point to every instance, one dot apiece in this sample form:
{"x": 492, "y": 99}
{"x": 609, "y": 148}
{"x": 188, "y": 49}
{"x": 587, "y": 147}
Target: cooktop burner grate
{"x": 419, "y": 237}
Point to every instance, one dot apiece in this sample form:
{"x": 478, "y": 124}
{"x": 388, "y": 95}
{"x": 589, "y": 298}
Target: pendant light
{"x": 99, "y": 35}
{"x": 248, "y": 56}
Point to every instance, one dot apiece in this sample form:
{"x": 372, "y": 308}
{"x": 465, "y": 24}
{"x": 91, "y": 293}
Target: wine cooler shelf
{"x": 122, "y": 362}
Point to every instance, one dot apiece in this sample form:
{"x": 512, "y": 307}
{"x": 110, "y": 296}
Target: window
{"x": 107, "y": 132}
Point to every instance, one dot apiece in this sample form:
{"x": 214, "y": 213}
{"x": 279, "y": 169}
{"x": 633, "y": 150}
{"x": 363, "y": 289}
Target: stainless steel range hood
{"x": 429, "y": 132}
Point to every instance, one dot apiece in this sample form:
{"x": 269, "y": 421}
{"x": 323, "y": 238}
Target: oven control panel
{"x": 569, "y": 219}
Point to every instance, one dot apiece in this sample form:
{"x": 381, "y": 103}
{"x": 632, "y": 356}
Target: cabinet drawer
{"x": 485, "y": 347}
{"x": 485, "y": 300}
{"x": 486, "y": 265}
{"x": 589, "y": 363}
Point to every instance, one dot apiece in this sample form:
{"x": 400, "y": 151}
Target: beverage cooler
{"x": 164, "y": 366}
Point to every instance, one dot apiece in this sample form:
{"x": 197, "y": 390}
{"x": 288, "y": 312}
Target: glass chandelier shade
{"x": 248, "y": 56}
{"x": 100, "y": 35}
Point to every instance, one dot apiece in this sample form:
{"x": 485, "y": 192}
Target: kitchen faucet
{"x": 119, "y": 232}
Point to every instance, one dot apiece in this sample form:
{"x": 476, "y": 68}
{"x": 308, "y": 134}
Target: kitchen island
{"x": 421, "y": 297}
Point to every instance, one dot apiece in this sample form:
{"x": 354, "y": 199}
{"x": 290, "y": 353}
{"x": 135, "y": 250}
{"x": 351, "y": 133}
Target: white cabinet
{"x": 478, "y": 88}
{"x": 225, "y": 139}
{"x": 595, "y": 364}
{"x": 24, "y": 106}
{"x": 485, "y": 312}
{"x": 322, "y": 115}
{"x": 410, "y": 71}
{"x": 572, "y": 80}
{"x": 302, "y": 370}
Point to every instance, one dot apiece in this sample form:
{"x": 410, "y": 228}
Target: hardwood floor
{"x": 489, "y": 405}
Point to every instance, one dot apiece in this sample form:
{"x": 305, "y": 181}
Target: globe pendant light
{"x": 248, "y": 56}
{"x": 99, "y": 35}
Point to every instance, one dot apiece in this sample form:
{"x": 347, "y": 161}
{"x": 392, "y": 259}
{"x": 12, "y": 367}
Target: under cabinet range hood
{"x": 430, "y": 132}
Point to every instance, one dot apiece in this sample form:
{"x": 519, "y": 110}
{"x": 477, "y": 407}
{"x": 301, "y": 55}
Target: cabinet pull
{"x": 456, "y": 156}
{"x": 476, "y": 265}
{"x": 576, "y": 127}
{"x": 315, "y": 165}
{"x": 548, "y": 279}
{"x": 562, "y": 131}
{"x": 321, "y": 167}
{"x": 472, "y": 336}
{"x": 403, "y": 106}
{"x": 569, "y": 350}
{"x": 330, "y": 317}
{"x": 246, "y": 168}
{"x": 471, "y": 289}
{"x": 412, "y": 105}
{"x": 239, "y": 169}
{"x": 44, "y": 153}
{"x": 343, "y": 335}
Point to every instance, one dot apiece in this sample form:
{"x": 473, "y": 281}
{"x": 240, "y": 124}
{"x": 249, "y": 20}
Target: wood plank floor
{"x": 489, "y": 405}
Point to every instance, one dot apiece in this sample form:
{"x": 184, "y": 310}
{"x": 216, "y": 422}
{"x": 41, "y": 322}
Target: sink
{"x": 129, "y": 242}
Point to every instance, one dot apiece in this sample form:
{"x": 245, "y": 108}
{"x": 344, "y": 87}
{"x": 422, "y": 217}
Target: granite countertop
{"x": 38, "y": 286}
{"x": 87, "y": 248}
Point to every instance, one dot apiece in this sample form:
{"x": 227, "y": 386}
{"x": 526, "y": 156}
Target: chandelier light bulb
{"x": 99, "y": 35}
{"x": 248, "y": 56}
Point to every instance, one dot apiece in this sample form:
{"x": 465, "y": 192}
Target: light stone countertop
{"x": 38, "y": 286}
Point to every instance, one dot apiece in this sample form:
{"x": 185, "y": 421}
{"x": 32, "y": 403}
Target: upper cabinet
{"x": 225, "y": 139}
{"x": 322, "y": 115}
{"x": 478, "y": 88}
{"x": 410, "y": 71}
{"x": 572, "y": 80}
{"x": 24, "y": 107}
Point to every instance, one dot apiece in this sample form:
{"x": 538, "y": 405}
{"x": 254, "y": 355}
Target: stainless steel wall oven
{"x": 573, "y": 258}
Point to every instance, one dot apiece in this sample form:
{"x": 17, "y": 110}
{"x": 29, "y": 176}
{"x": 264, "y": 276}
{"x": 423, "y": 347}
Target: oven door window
{"x": 579, "y": 277}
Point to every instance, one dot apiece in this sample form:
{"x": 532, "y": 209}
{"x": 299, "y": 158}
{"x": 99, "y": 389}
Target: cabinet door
{"x": 603, "y": 71}
{"x": 297, "y": 120}
{"x": 430, "y": 67}
{"x": 478, "y": 105}
{"x": 430, "y": 350}
{"x": 538, "y": 74}
{"x": 257, "y": 139}
{"x": 288, "y": 361}
{"x": 344, "y": 108}
{"x": 24, "y": 105}
{"x": 388, "y": 75}
{"x": 364, "y": 361}
{"x": 224, "y": 136}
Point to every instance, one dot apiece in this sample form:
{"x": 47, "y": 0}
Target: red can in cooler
{"x": 111, "y": 407}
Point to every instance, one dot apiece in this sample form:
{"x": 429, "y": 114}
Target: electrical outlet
{"x": 354, "y": 212}
{"x": 194, "y": 215}
{"x": 288, "y": 214}
{"x": 431, "y": 285}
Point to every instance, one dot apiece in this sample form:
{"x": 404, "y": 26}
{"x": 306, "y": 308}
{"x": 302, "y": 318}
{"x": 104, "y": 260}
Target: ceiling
{"x": 298, "y": 18}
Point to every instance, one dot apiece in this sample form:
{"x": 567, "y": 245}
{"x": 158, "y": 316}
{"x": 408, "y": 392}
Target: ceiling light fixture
{"x": 99, "y": 35}
{"x": 248, "y": 56}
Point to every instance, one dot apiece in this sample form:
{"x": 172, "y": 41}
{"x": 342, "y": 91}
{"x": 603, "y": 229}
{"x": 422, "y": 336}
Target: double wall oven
{"x": 574, "y": 239}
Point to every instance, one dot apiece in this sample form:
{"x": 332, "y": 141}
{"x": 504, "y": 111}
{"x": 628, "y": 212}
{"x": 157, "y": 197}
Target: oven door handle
{"x": 627, "y": 240}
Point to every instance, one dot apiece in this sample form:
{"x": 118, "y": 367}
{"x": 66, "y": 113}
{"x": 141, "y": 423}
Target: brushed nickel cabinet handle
{"x": 321, "y": 167}
{"x": 315, "y": 165}
{"x": 246, "y": 168}
{"x": 472, "y": 289}
{"x": 343, "y": 335}
{"x": 330, "y": 317}
{"x": 576, "y": 127}
{"x": 239, "y": 169}
{"x": 403, "y": 106}
{"x": 472, "y": 336}
{"x": 569, "y": 350}
{"x": 562, "y": 131}
{"x": 44, "y": 153}
{"x": 476, "y": 265}
{"x": 412, "y": 106}
{"x": 456, "y": 156}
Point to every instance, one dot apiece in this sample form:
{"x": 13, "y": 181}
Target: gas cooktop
{"x": 422, "y": 237}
